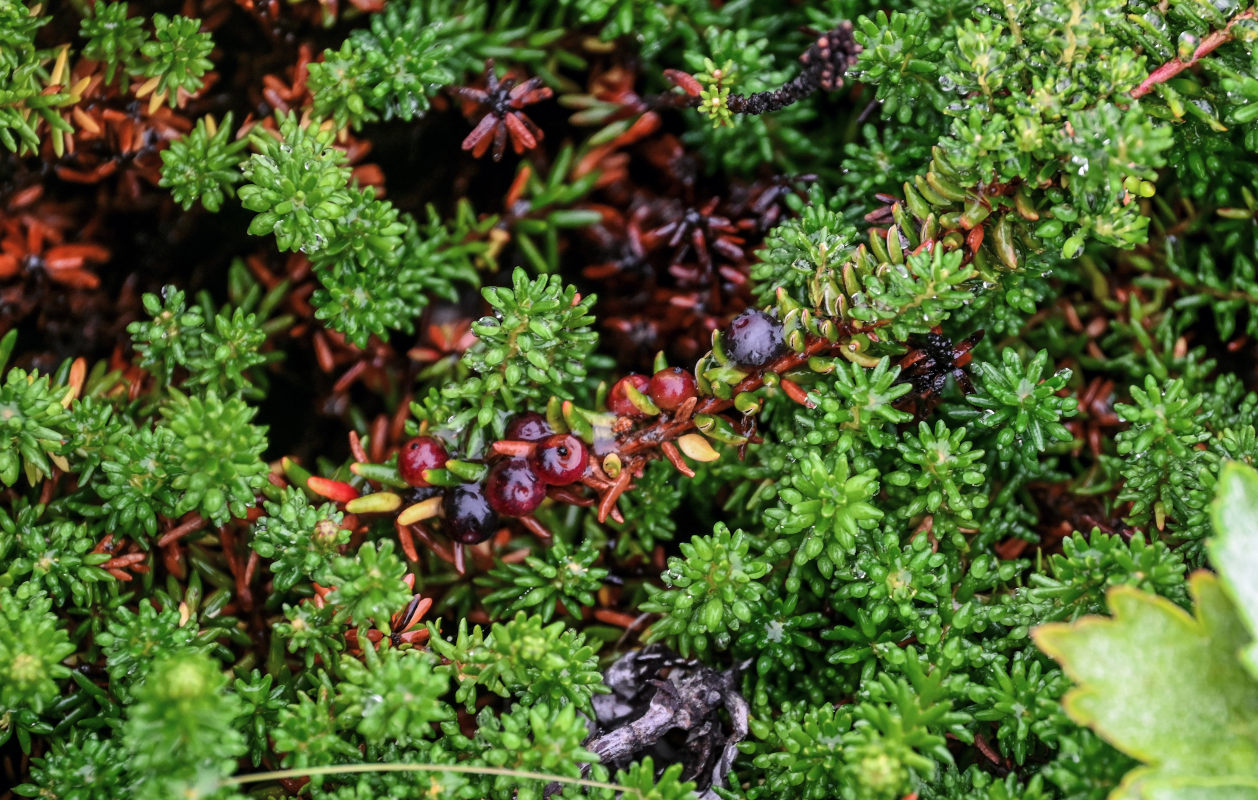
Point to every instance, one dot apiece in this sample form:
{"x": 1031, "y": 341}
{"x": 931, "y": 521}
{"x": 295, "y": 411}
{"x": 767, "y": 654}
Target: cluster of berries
{"x": 668, "y": 389}
{"x": 514, "y": 487}
{"x": 533, "y": 458}
{"x": 752, "y": 339}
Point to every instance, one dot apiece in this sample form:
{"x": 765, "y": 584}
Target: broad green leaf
{"x": 1166, "y": 688}
{"x": 1234, "y": 550}
{"x": 1139, "y": 784}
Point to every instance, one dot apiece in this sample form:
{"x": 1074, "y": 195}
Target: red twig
{"x": 537, "y": 529}
{"x": 350, "y": 376}
{"x": 172, "y": 557}
{"x": 356, "y": 447}
{"x": 608, "y": 503}
{"x": 565, "y": 495}
{"x": 122, "y": 562}
{"x": 407, "y": 541}
{"x": 613, "y": 617}
{"x": 251, "y": 568}
{"x": 228, "y": 540}
{"x": 986, "y": 749}
{"x": 50, "y": 485}
{"x": 674, "y": 457}
{"x": 379, "y": 435}
{"x": 181, "y": 530}
{"x": 1208, "y": 45}
{"x": 442, "y": 552}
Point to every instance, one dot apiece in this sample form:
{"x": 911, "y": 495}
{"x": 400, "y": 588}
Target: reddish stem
{"x": 440, "y": 550}
{"x": 987, "y": 750}
{"x": 189, "y": 525}
{"x": 228, "y": 539}
{"x": 356, "y": 447}
{"x": 608, "y": 503}
{"x": 407, "y": 541}
{"x": 172, "y": 557}
{"x": 674, "y": 457}
{"x": 638, "y": 446}
{"x": 537, "y": 529}
{"x": 251, "y": 568}
{"x": 613, "y": 617}
{"x": 379, "y": 435}
{"x": 1208, "y": 45}
{"x": 122, "y": 562}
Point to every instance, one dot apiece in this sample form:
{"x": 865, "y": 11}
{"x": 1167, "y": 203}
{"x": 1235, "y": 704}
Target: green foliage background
{"x": 881, "y": 576}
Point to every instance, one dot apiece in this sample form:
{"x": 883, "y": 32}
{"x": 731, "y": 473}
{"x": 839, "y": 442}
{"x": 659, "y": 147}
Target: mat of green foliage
{"x": 937, "y": 563}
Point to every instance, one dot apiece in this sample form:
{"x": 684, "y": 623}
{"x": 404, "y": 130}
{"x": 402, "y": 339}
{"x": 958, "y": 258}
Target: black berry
{"x": 560, "y": 459}
{"x": 671, "y": 387}
{"x": 419, "y": 454}
{"x": 528, "y": 427}
{"x": 469, "y": 517}
{"x": 419, "y": 494}
{"x": 513, "y": 488}
{"x": 754, "y": 338}
{"x": 618, "y": 401}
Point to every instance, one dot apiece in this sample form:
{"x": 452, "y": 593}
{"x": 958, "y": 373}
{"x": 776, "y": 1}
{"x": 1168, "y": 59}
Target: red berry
{"x": 560, "y": 459}
{"x": 513, "y": 488}
{"x": 529, "y": 427}
{"x": 469, "y": 517}
{"x": 671, "y": 387}
{"x": 419, "y": 454}
{"x": 618, "y": 401}
{"x": 754, "y": 338}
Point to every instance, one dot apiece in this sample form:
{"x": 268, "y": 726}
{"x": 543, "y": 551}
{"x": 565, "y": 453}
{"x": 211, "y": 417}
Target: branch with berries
{"x": 926, "y": 254}
{"x": 878, "y": 299}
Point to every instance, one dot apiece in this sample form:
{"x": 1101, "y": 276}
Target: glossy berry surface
{"x": 560, "y": 459}
{"x": 618, "y": 401}
{"x": 469, "y": 517}
{"x": 528, "y": 427}
{"x": 419, "y": 494}
{"x": 754, "y": 338}
{"x": 670, "y": 387}
{"x": 419, "y": 454}
{"x": 513, "y": 488}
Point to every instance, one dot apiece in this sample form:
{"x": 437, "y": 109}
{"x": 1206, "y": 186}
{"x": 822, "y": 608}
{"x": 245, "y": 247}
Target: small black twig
{"x": 826, "y": 62}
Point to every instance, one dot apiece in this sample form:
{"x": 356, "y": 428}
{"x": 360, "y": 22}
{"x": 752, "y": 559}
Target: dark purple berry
{"x": 560, "y": 459}
{"x": 469, "y": 517}
{"x": 529, "y": 427}
{"x": 419, "y": 494}
{"x": 754, "y": 338}
{"x": 513, "y": 488}
{"x": 419, "y": 454}
{"x": 618, "y": 401}
{"x": 672, "y": 386}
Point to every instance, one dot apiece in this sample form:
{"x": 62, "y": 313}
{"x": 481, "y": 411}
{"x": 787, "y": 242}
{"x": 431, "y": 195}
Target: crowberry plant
{"x": 819, "y": 400}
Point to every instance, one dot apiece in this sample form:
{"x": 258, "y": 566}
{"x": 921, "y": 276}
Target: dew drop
{"x": 1225, "y": 7}
{"x": 1187, "y": 45}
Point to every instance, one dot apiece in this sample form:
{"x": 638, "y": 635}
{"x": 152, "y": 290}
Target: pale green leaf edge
{"x": 1051, "y": 640}
{"x": 1234, "y": 550}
